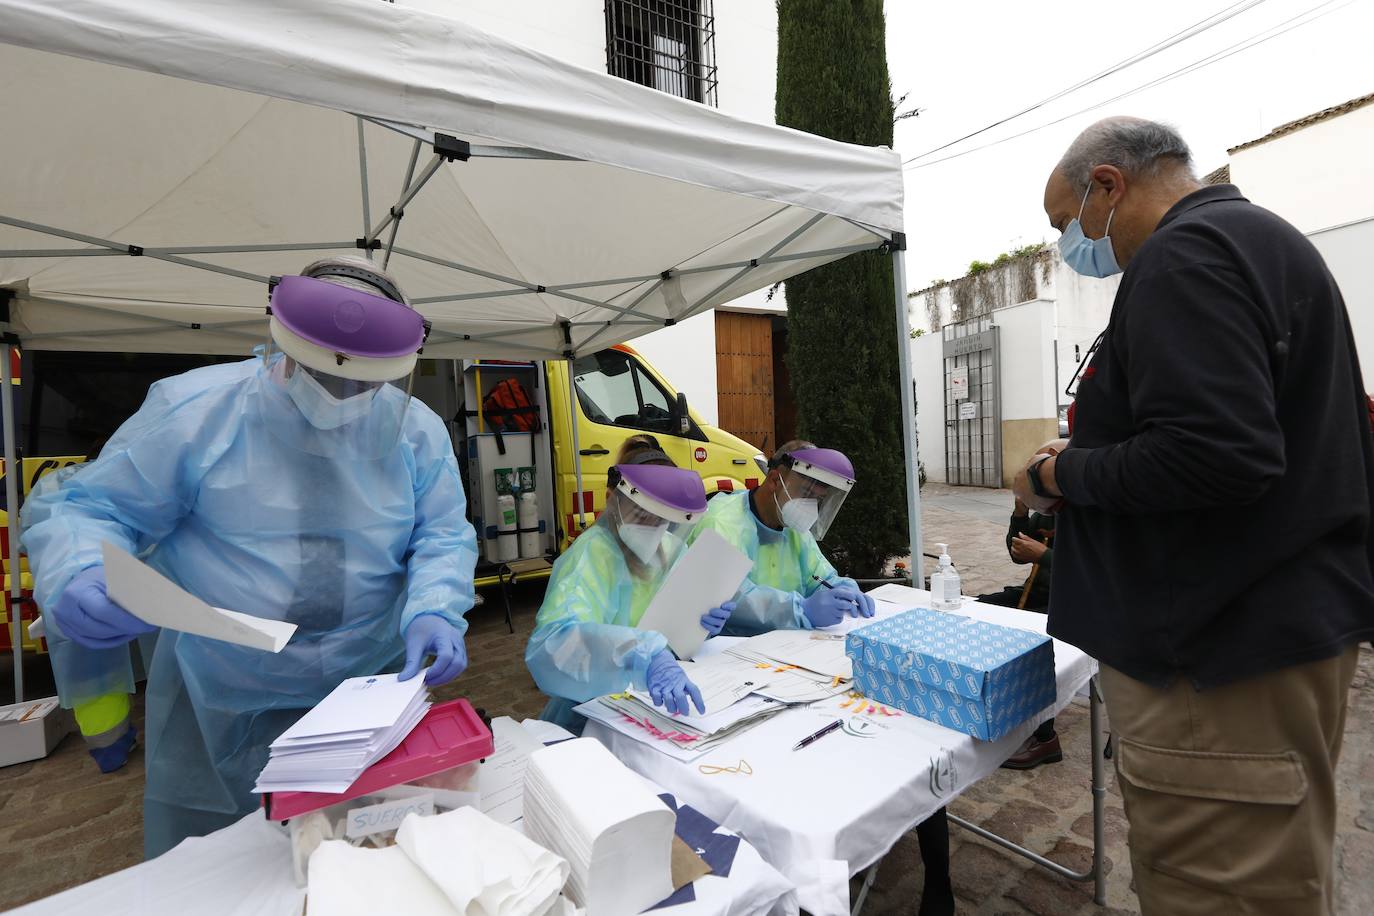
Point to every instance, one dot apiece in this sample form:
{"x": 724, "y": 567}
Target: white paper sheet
{"x": 154, "y": 599}
{"x": 706, "y": 576}
{"x": 820, "y": 651}
{"x": 501, "y": 779}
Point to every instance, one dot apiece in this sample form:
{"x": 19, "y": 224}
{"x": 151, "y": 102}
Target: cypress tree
{"x": 842, "y": 327}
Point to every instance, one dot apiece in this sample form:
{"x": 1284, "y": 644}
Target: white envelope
{"x": 155, "y": 599}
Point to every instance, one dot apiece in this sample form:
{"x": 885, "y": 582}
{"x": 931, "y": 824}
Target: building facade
{"x": 1043, "y": 318}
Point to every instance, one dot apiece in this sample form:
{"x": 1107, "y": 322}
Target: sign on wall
{"x": 958, "y": 385}
{"x": 968, "y": 410}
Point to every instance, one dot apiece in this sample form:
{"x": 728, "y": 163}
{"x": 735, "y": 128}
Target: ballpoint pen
{"x": 833, "y": 726}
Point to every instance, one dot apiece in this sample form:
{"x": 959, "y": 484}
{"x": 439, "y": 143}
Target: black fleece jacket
{"x": 1221, "y": 471}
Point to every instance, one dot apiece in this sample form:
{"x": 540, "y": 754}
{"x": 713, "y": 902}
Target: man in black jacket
{"x": 1226, "y": 394}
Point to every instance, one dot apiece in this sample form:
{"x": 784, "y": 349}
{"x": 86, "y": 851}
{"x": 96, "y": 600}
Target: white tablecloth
{"x": 830, "y": 810}
{"x": 245, "y": 870}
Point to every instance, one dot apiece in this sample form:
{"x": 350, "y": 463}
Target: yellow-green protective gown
{"x": 585, "y": 643}
{"x": 784, "y": 563}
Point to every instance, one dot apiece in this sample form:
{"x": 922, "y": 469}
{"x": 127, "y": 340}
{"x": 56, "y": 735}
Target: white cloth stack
{"x": 461, "y": 863}
{"x": 582, "y": 803}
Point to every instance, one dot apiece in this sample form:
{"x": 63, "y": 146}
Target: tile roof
{"x": 1323, "y": 115}
{"x": 1220, "y": 176}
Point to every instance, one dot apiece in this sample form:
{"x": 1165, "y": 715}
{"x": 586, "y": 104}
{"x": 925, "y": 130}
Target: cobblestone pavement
{"x": 62, "y": 823}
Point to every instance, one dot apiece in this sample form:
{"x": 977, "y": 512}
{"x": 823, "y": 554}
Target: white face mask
{"x": 799, "y": 514}
{"x": 643, "y": 540}
{"x": 322, "y": 409}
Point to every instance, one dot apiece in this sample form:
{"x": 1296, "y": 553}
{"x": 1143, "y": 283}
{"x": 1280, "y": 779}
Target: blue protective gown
{"x": 350, "y": 548}
{"x": 585, "y": 643}
{"x": 784, "y": 563}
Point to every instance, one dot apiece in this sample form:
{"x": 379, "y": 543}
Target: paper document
{"x": 155, "y": 599}
{"x": 815, "y": 650}
{"x": 501, "y": 779}
{"x": 706, "y": 576}
{"x": 722, "y": 679}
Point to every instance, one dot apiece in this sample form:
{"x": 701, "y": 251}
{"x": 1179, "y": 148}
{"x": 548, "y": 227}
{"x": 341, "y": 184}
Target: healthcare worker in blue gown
{"x": 303, "y": 485}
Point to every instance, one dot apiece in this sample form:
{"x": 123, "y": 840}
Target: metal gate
{"x": 973, "y": 404}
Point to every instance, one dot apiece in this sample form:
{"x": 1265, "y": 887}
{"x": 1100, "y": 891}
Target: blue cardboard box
{"x": 965, "y": 674}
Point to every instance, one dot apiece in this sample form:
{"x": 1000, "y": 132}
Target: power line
{"x": 1196, "y": 28}
{"x": 1244, "y": 45}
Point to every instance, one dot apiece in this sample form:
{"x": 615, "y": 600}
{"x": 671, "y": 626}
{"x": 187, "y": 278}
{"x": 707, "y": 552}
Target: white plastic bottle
{"x": 944, "y": 584}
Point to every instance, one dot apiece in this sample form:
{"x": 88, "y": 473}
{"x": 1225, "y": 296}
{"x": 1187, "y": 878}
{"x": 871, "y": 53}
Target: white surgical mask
{"x": 322, "y": 409}
{"x": 643, "y": 540}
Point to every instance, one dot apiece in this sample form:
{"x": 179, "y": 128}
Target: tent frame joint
{"x": 135, "y": 251}
{"x": 450, "y": 148}
{"x": 896, "y": 243}
{"x": 373, "y": 244}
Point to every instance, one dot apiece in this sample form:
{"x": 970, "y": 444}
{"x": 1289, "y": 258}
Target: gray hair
{"x": 1133, "y": 145}
{"x": 356, "y": 270}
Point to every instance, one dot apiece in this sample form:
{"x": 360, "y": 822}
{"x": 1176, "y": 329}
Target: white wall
{"x": 1317, "y": 177}
{"x": 1347, "y": 252}
{"x": 928, "y": 370}
{"x": 1083, "y": 306}
{"x": 1026, "y": 342}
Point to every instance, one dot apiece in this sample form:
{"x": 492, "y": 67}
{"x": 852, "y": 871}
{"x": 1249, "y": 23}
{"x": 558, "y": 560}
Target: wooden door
{"x": 744, "y": 376}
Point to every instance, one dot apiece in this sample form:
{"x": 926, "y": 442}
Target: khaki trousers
{"x": 1230, "y": 792}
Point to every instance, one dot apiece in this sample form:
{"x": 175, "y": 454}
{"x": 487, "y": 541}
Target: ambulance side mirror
{"x": 684, "y": 418}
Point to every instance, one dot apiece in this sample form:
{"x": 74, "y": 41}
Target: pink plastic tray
{"x": 450, "y": 735}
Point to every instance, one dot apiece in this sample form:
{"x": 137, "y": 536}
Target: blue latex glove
{"x": 713, "y": 621}
{"x": 827, "y": 606}
{"x": 87, "y": 616}
{"x": 669, "y": 687}
{"x": 432, "y": 634}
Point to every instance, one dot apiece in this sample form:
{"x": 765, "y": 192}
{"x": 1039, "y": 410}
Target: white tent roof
{"x": 223, "y": 135}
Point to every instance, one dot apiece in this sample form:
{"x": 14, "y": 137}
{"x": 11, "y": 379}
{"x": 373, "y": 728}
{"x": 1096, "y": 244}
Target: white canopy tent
{"x": 162, "y": 160}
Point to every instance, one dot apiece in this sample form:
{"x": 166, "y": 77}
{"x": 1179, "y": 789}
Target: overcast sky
{"x": 969, "y": 64}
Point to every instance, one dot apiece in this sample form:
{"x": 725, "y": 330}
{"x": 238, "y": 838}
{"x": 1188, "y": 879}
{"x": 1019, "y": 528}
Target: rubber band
{"x": 742, "y": 769}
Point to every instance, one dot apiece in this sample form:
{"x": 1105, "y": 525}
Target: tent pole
{"x": 367, "y": 199}
{"x": 13, "y": 473}
{"x": 577, "y": 449}
{"x": 913, "y": 489}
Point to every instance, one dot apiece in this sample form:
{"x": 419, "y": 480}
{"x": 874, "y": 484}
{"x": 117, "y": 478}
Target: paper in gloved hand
{"x": 706, "y": 576}
{"x": 155, "y": 599}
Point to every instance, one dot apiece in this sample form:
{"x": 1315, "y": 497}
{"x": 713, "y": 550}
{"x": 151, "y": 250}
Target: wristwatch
{"x": 1033, "y": 477}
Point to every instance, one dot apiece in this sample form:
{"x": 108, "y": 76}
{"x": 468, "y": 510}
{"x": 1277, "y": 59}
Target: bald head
{"x": 1119, "y": 178}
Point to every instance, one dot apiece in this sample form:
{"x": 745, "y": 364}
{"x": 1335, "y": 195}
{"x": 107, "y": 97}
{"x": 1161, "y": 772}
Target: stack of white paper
{"x": 681, "y": 737}
{"x": 807, "y": 665}
{"x": 583, "y": 804}
{"x": 360, "y": 722}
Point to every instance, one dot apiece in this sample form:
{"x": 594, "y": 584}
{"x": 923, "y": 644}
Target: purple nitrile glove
{"x": 87, "y": 616}
{"x": 432, "y": 634}
{"x": 713, "y": 621}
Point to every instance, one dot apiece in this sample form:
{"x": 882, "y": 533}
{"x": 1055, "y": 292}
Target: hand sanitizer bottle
{"x": 944, "y": 584}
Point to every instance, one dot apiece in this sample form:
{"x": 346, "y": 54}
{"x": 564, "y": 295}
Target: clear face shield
{"x": 338, "y": 368}
{"x": 814, "y": 488}
{"x": 651, "y": 509}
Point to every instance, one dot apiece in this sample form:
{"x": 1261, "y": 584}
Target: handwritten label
{"x": 386, "y": 816}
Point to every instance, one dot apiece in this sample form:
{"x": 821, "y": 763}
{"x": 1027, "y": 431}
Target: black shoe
{"x": 1034, "y": 752}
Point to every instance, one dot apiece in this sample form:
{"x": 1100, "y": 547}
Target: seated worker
{"x": 1029, "y": 539}
{"x": 777, "y": 525}
{"x": 585, "y": 643}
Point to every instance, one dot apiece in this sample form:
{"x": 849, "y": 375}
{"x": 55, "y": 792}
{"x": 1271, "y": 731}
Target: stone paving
{"x": 62, "y": 823}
